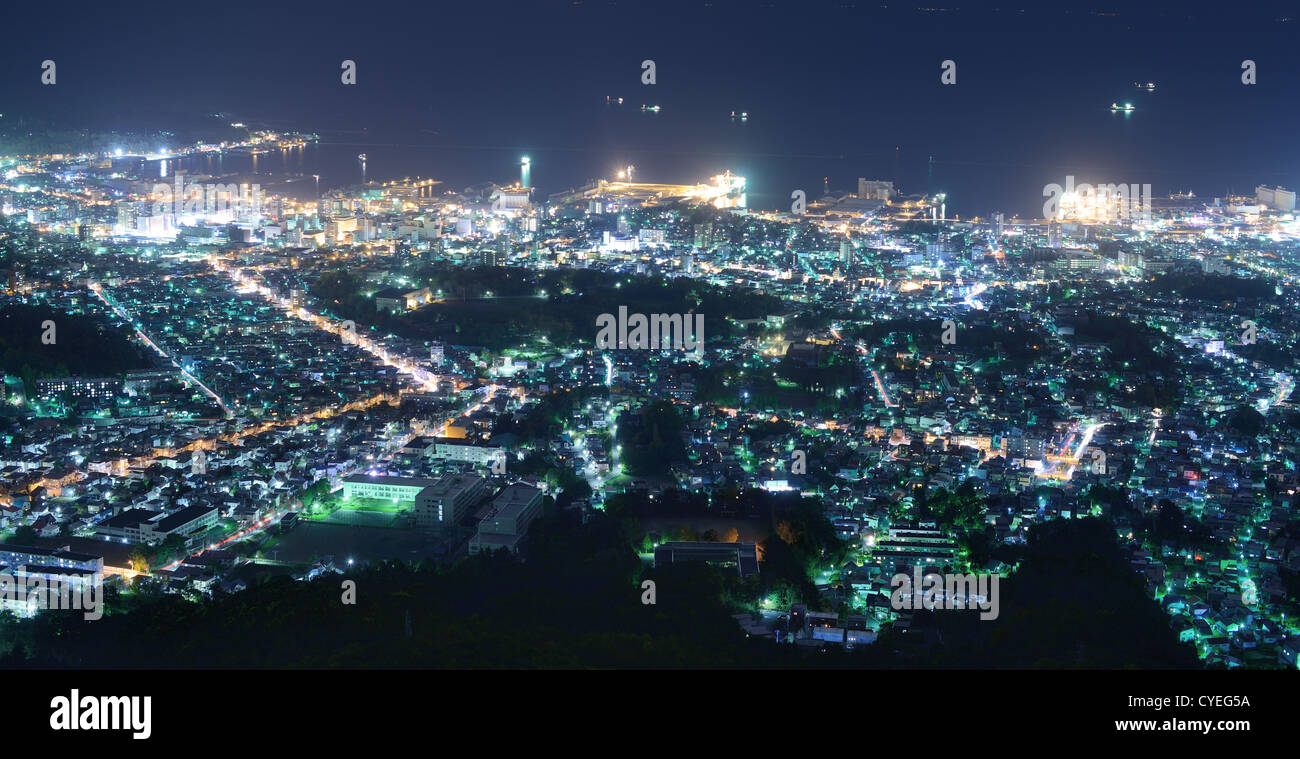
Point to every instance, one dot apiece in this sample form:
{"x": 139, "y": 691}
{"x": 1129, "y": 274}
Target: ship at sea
{"x": 1145, "y": 86}
{"x": 1126, "y": 108}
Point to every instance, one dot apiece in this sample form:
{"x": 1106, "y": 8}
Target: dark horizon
{"x": 458, "y": 94}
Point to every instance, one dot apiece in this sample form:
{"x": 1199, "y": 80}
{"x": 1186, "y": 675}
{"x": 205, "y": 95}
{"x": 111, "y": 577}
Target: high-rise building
{"x": 1054, "y": 235}
{"x": 704, "y": 235}
{"x": 1131, "y": 259}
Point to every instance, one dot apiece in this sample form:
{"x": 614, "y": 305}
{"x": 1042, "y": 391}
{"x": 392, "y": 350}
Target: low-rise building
{"x": 739, "y": 557}
{"x": 444, "y": 503}
{"x": 507, "y": 518}
{"x": 396, "y": 489}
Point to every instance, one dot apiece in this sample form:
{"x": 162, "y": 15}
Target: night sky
{"x": 460, "y": 90}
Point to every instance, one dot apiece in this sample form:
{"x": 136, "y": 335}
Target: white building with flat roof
{"x": 459, "y": 450}
{"x": 384, "y": 487}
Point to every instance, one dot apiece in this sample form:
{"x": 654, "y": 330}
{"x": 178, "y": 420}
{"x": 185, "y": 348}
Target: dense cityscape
{"x": 703, "y": 344}
{"x": 214, "y": 391}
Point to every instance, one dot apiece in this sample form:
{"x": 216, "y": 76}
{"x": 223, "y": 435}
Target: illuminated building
{"x": 189, "y": 522}
{"x": 14, "y": 555}
{"x": 1277, "y": 198}
{"x": 383, "y": 487}
{"x": 725, "y": 190}
{"x": 510, "y": 201}
{"x": 79, "y": 387}
{"x": 396, "y": 301}
{"x": 466, "y": 452}
{"x": 445, "y": 503}
{"x": 877, "y": 189}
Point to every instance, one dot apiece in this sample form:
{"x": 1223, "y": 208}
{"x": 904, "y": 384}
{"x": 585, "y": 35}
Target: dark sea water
{"x": 987, "y": 154}
{"x": 833, "y": 91}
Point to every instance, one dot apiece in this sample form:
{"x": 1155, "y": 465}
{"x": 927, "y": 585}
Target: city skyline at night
{"x": 686, "y": 336}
